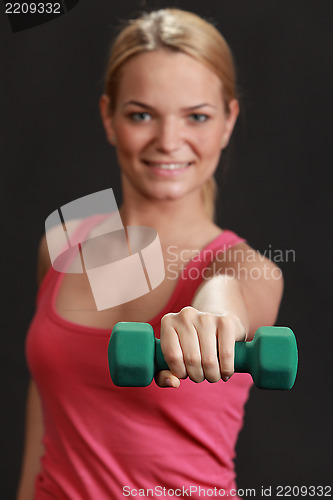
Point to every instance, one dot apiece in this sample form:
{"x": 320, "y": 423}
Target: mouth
{"x": 168, "y": 165}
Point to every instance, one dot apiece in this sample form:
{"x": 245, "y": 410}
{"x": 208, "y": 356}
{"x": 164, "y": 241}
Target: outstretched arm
{"x": 238, "y": 296}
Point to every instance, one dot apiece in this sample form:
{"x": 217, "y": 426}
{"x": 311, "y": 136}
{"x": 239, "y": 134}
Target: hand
{"x": 198, "y": 345}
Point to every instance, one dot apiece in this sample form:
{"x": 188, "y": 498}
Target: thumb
{"x": 165, "y": 378}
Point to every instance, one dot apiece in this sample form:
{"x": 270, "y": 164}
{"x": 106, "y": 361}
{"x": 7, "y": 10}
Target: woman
{"x": 169, "y": 108}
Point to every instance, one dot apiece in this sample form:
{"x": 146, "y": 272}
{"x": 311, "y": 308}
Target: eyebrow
{"x": 146, "y": 106}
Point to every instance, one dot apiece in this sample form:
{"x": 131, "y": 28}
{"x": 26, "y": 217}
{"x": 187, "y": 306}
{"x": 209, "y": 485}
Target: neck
{"x": 173, "y": 219}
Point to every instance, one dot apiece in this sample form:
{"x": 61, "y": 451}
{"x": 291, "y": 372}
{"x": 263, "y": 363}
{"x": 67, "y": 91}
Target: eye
{"x": 199, "y": 117}
{"x": 140, "y": 116}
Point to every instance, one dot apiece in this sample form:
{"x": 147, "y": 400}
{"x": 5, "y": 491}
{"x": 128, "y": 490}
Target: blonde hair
{"x": 177, "y": 30}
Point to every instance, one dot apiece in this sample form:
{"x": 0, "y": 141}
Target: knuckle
{"x": 206, "y": 323}
{"x": 186, "y": 309}
{"x": 225, "y": 320}
{"x": 202, "y": 318}
{"x": 212, "y": 370}
{"x": 227, "y": 354}
{"x": 192, "y": 360}
{"x": 209, "y": 362}
{"x": 166, "y": 319}
{"x": 175, "y": 362}
{"x": 187, "y": 313}
{"x": 172, "y": 357}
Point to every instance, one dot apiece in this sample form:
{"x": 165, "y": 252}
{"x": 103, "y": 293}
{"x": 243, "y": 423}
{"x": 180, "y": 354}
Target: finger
{"x": 171, "y": 347}
{"x": 191, "y": 352}
{"x": 184, "y": 325}
{"x": 226, "y": 345}
{"x": 166, "y": 379}
{"x": 207, "y": 334}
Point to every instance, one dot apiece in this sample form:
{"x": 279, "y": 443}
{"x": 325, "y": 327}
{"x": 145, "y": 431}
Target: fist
{"x": 198, "y": 345}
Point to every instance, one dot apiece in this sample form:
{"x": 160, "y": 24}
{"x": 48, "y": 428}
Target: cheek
{"x": 130, "y": 140}
{"x": 210, "y": 144}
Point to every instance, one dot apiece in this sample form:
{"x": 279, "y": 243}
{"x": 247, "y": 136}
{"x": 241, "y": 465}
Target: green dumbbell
{"x": 135, "y": 356}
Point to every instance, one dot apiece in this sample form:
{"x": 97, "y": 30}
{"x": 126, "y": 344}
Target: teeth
{"x": 170, "y": 166}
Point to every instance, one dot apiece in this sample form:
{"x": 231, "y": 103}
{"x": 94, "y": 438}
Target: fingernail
{"x": 226, "y": 379}
{"x": 168, "y": 382}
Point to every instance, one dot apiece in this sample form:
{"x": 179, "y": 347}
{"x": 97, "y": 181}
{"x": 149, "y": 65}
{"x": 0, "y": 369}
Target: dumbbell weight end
{"x": 271, "y": 357}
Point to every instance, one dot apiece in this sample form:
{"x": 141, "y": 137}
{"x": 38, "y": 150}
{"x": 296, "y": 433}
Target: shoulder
{"x": 250, "y": 267}
{"x": 43, "y": 260}
{"x": 51, "y": 238}
{"x": 260, "y": 282}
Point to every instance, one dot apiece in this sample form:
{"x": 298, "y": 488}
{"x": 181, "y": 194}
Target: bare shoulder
{"x": 243, "y": 261}
{"x": 43, "y": 258}
{"x": 260, "y": 280}
{"x": 244, "y": 254}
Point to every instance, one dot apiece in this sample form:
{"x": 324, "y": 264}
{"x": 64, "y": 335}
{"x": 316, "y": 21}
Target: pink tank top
{"x": 104, "y": 442}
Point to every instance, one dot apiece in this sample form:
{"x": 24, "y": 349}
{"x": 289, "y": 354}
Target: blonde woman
{"x": 169, "y": 109}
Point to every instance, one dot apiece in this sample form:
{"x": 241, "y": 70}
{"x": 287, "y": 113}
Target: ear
{"x": 230, "y": 122}
{"x": 104, "y": 107}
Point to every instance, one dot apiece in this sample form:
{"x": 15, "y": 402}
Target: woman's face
{"x": 169, "y": 124}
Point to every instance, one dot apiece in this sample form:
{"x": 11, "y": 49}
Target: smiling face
{"x": 169, "y": 124}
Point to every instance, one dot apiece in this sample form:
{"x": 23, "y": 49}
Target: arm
{"x": 33, "y": 446}
{"x": 245, "y": 284}
{"x": 238, "y": 296}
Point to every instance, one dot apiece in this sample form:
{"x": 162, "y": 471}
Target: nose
{"x": 169, "y": 135}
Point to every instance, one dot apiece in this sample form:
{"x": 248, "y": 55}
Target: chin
{"x": 167, "y": 194}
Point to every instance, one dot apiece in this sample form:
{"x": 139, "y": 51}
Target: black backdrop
{"x": 276, "y": 193}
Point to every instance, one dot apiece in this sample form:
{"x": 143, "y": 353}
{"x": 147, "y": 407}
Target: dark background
{"x": 276, "y": 194}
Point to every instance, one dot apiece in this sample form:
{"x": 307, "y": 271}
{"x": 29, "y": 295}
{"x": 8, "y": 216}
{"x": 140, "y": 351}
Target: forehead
{"x": 161, "y": 73}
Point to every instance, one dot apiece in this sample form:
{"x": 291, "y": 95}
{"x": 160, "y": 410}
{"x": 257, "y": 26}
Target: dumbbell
{"x": 135, "y": 355}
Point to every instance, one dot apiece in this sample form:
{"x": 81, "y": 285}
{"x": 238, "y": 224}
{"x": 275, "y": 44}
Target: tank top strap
{"x": 227, "y": 239}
